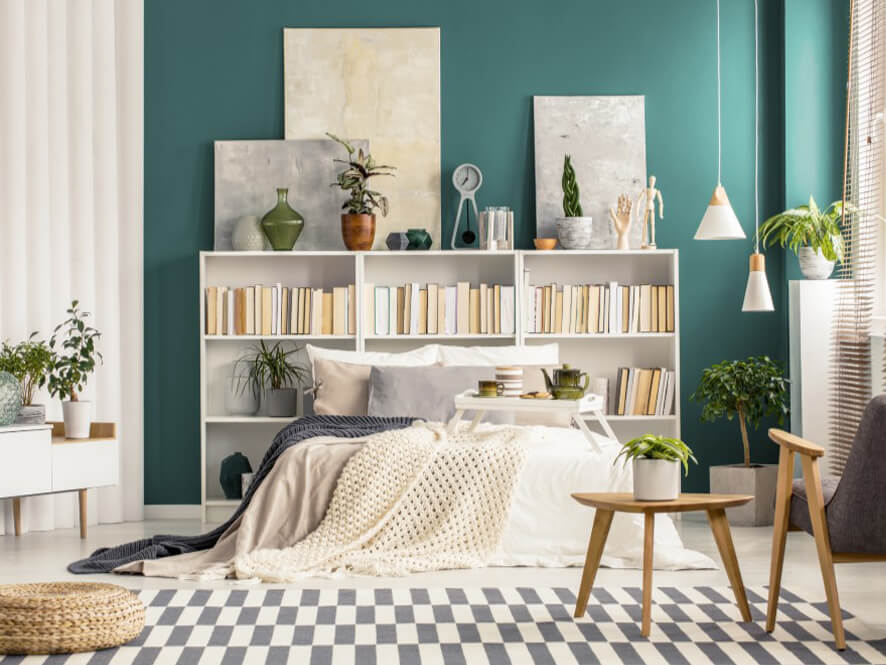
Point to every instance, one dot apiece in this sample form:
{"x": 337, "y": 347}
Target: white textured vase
{"x": 575, "y": 232}
{"x": 78, "y": 418}
{"x": 813, "y": 265}
{"x": 248, "y": 235}
{"x": 656, "y": 479}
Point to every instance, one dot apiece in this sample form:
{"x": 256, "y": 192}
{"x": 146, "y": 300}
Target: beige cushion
{"x": 341, "y": 389}
{"x": 478, "y": 356}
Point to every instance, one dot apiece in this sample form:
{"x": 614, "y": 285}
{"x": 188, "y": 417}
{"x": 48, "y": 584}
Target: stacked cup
{"x": 512, "y": 380}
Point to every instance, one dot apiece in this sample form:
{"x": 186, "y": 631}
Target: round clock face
{"x": 467, "y": 178}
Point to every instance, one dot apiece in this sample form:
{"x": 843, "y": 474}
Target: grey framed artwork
{"x": 382, "y": 84}
{"x": 606, "y": 137}
{"x": 247, "y": 174}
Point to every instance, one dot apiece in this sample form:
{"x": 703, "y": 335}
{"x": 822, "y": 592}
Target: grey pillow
{"x": 426, "y": 392}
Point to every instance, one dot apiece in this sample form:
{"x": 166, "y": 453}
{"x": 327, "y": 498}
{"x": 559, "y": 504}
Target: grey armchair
{"x": 847, "y": 516}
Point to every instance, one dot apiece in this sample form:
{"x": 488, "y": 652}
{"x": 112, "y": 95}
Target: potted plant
{"x": 573, "y": 230}
{"x": 811, "y": 233}
{"x": 71, "y": 366}
{"x": 748, "y": 390}
{"x": 656, "y": 461}
{"x": 358, "y": 223}
{"x": 273, "y": 374}
{"x": 29, "y": 362}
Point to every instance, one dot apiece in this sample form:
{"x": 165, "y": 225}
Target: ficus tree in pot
{"x": 748, "y": 389}
{"x": 28, "y": 361}
{"x": 75, "y": 358}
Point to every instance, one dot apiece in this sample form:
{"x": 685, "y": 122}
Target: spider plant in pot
{"x": 72, "y": 364}
{"x": 358, "y": 223}
{"x": 657, "y": 462}
{"x": 747, "y": 390}
{"x": 573, "y": 229}
{"x": 273, "y": 374}
{"x": 29, "y": 362}
{"x": 811, "y": 233}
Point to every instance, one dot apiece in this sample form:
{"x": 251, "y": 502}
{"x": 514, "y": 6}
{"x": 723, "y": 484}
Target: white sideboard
{"x": 38, "y": 459}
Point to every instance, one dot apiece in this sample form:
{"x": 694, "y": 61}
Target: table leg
{"x": 648, "y": 539}
{"x": 450, "y": 428}
{"x": 81, "y": 495}
{"x": 602, "y": 522}
{"x": 17, "y": 515}
{"x": 583, "y": 426}
{"x": 720, "y": 529}
{"x": 476, "y": 421}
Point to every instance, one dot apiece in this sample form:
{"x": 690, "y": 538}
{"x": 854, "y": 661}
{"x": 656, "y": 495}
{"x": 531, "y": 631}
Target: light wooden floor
{"x": 42, "y": 556}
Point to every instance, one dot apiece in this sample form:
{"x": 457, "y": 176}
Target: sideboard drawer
{"x": 25, "y": 466}
{"x": 81, "y": 465}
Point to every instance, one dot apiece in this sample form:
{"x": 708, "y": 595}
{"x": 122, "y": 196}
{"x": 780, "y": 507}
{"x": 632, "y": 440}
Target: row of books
{"x": 280, "y": 310}
{"x": 435, "y": 309}
{"x": 644, "y": 391}
{"x": 600, "y": 308}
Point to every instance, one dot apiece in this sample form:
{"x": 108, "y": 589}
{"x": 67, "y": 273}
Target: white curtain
{"x": 71, "y": 212}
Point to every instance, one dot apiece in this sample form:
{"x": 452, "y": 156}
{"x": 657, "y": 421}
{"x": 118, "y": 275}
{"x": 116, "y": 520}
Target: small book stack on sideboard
{"x": 641, "y": 331}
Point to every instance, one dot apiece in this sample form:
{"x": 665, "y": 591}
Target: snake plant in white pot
{"x": 657, "y": 462}
{"x": 71, "y": 366}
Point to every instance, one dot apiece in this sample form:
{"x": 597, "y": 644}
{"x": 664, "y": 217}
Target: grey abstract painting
{"x": 247, "y": 174}
{"x": 606, "y": 137}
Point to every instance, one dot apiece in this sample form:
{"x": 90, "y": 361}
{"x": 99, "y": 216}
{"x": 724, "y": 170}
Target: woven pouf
{"x": 67, "y": 617}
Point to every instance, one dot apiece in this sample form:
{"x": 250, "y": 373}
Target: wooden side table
{"x": 607, "y": 504}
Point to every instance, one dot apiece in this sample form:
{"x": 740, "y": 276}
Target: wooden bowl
{"x": 545, "y": 243}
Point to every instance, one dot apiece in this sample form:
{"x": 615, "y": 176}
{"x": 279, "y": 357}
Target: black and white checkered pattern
{"x": 473, "y": 626}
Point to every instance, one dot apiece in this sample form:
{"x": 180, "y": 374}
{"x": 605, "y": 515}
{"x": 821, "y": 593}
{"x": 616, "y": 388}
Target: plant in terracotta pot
{"x": 656, "y": 461}
{"x": 811, "y": 233}
{"x": 573, "y": 229}
{"x": 748, "y": 390}
{"x": 29, "y": 362}
{"x": 358, "y": 223}
{"x": 71, "y": 366}
{"x": 271, "y": 372}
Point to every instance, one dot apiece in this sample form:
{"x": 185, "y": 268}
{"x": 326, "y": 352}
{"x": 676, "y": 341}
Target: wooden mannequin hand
{"x": 622, "y": 219}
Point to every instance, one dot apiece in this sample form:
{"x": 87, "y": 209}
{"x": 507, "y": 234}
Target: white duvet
{"x": 547, "y": 527}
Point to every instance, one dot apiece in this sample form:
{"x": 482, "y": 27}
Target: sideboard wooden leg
{"x": 17, "y": 515}
{"x": 82, "y": 496}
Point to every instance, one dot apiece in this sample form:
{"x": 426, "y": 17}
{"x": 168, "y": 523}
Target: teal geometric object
{"x": 10, "y": 398}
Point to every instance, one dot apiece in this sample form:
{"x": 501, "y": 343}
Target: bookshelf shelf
{"x": 222, "y": 435}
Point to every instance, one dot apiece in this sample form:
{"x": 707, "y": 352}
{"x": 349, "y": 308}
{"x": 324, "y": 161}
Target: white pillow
{"x": 482, "y": 356}
{"x": 420, "y": 357}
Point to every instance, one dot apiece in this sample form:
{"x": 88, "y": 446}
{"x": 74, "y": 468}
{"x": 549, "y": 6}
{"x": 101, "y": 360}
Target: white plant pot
{"x": 78, "y": 418}
{"x": 813, "y": 265}
{"x": 575, "y": 232}
{"x": 656, "y": 479}
{"x": 239, "y": 398}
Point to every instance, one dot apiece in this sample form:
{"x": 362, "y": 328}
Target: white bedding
{"x": 547, "y": 527}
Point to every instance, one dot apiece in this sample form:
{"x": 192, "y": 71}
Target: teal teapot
{"x": 567, "y": 383}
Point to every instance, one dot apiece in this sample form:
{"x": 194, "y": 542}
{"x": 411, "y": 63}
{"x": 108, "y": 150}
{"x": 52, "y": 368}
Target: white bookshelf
{"x": 598, "y": 354}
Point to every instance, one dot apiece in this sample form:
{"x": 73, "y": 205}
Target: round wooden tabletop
{"x": 624, "y": 502}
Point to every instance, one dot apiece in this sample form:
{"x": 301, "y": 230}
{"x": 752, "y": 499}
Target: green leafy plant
{"x": 268, "y": 367}
{"x": 29, "y": 362}
{"x": 652, "y": 446}
{"x": 571, "y": 203}
{"x": 807, "y": 226}
{"x": 748, "y": 389}
{"x": 77, "y": 358}
{"x": 355, "y": 180}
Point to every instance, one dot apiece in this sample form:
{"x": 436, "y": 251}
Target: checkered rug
{"x": 475, "y": 626}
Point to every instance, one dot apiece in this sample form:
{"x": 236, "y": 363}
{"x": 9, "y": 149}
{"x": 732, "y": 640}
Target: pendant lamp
{"x": 719, "y": 221}
{"x": 757, "y": 297}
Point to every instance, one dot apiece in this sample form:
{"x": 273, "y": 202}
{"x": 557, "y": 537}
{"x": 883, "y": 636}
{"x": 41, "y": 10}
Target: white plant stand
{"x": 577, "y": 409}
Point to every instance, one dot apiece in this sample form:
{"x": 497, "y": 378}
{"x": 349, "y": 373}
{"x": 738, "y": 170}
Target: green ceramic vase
{"x": 282, "y": 225}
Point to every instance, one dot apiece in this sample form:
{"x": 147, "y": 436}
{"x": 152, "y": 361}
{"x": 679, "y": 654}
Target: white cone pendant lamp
{"x": 719, "y": 221}
{"x": 757, "y": 297}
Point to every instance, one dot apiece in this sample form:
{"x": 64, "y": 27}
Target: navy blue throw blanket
{"x": 106, "y": 559}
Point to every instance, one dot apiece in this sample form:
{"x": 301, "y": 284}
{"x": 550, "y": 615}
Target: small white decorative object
{"x": 78, "y": 417}
{"x": 575, "y": 232}
{"x": 813, "y": 265}
{"x": 656, "y": 479}
{"x": 245, "y": 482}
{"x": 621, "y": 220}
{"x": 248, "y": 235}
{"x": 651, "y": 194}
{"x": 467, "y": 179}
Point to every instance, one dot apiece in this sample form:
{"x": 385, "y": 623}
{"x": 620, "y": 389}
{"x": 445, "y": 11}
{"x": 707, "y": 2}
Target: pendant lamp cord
{"x": 719, "y": 122}
{"x": 756, "y": 130}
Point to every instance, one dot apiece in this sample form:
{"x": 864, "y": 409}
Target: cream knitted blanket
{"x": 410, "y": 500}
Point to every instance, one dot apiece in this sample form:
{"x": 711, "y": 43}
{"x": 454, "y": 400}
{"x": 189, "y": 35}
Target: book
{"x": 339, "y": 314}
{"x": 590, "y": 322}
{"x": 210, "y": 310}
{"x": 414, "y": 308}
{"x": 423, "y": 312}
{"x": 316, "y": 311}
{"x": 566, "y": 320}
{"x": 257, "y": 309}
{"x": 489, "y": 314}
{"x": 484, "y": 309}
{"x": 474, "y": 311}
{"x": 229, "y": 311}
{"x": 546, "y": 309}
{"x": 250, "y": 310}
{"x": 462, "y": 305}
{"x": 240, "y": 306}
{"x": 451, "y": 304}
{"x": 631, "y": 391}
{"x": 508, "y": 315}
{"x": 441, "y": 309}
{"x": 266, "y": 299}
{"x": 613, "y": 309}
{"x": 654, "y": 385}
{"x": 309, "y": 306}
{"x": 395, "y": 310}
{"x": 624, "y": 298}
{"x": 407, "y": 309}
{"x": 645, "y": 308}
{"x": 669, "y": 396}
{"x": 327, "y": 313}
{"x": 606, "y": 309}
{"x": 382, "y": 317}
{"x": 621, "y": 387}
{"x": 496, "y": 308}
{"x": 558, "y": 313}
{"x": 369, "y": 308}
{"x": 653, "y": 316}
{"x": 352, "y": 309}
{"x": 284, "y": 310}
{"x": 669, "y": 307}
{"x": 539, "y": 309}
{"x": 635, "y": 309}
{"x": 529, "y": 294}
{"x": 275, "y": 304}
{"x": 433, "y": 308}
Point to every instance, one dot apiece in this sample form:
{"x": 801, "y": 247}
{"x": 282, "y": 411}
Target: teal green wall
{"x": 213, "y": 70}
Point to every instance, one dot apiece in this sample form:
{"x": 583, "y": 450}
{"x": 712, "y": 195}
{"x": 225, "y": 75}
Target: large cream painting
{"x": 381, "y": 84}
